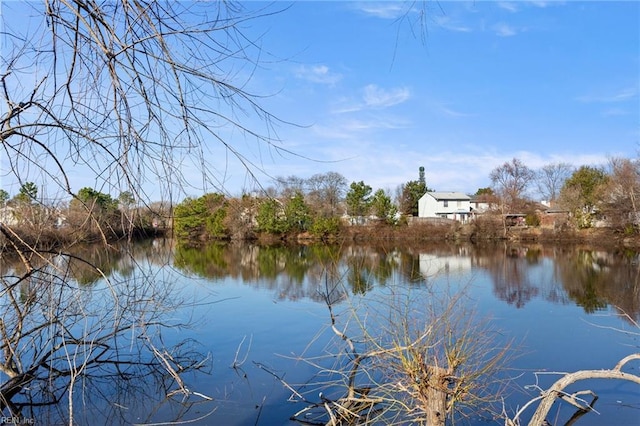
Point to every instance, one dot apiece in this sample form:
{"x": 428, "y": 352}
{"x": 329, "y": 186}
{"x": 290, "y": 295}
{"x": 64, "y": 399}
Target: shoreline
{"x": 53, "y": 239}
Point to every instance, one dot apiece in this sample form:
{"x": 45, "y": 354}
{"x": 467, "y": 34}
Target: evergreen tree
{"x": 411, "y": 192}
{"x": 297, "y": 213}
{"x": 358, "y": 199}
{"x": 4, "y": 197}
{"x": 383, "y": 207}
{"x": 271, "y": 217}
{"x": 27, "y": 193}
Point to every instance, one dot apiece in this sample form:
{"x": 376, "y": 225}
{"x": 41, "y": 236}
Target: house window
{"x": 446, "y": 203}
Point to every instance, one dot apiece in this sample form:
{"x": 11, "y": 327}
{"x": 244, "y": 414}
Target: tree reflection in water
{"x": 85, "y": 337}
{"x": 516, "y": 275}
{"x": 519, "y": 273}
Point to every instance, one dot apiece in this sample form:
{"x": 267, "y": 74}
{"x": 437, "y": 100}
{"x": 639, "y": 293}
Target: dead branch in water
{"x": 556, "y": 391}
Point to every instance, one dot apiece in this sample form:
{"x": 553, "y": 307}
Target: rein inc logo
{"x": 15, "y": 420}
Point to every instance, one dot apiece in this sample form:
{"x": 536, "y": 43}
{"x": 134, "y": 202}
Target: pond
{"x": 258, "y": 321}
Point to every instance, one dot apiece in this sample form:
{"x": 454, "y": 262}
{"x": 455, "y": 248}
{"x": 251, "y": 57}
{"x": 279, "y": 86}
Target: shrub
{"x": 325, "y": 227}
{"x": 201, "y": 218}
{"x": 532, "y": 219}
{"x": 271, "y": 217}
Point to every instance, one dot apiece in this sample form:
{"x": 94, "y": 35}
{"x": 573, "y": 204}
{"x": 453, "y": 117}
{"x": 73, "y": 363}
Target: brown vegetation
{"x": 408, "y": 358}
{"x": 79, "y": 227}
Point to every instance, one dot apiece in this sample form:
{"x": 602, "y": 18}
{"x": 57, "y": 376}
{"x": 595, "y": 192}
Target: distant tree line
{"x": 589, "y": 194}
{"x": 320, "y": 206}
{"x": 90, "y": 215}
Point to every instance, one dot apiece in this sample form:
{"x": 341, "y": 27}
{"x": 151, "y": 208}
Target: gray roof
{"x": 449, "y": 196}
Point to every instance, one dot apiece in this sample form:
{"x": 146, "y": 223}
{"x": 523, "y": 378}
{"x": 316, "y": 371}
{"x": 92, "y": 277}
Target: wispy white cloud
{"x": 504, "y": 30}
{"x": 517, "y": 6}
{"x": 622, "y": 95}
{"x": 452, "y": 113}
{"x": 508, "y": 6}
{"x": 373, "y": 97}
{"x": 611, "y": 112}
{"x": 384, "y": 10}
{"x": 539, "y": 3}
{"x": 448, "y": 23}
{"x": 345, "y": 106}
{"x": 376, "y": 97}
{"x": 317, "y": 74}
{"x": 365, "y": 125}
{"x": 349, "y": 129}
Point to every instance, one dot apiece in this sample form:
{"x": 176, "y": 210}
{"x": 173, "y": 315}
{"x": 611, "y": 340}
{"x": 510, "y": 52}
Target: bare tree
{"x": 551, "y": 178}
{"x": 287, "y": 187}
{"x": 511, "y": 181}
{"x": 621, "y": 194}
{"x": 133, "y": 91}
{"x": 326, "y": 191}
{"x": 415, "y": 358}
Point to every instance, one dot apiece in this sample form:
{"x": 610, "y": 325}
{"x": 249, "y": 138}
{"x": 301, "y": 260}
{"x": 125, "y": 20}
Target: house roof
{"x": 448, "y": 196}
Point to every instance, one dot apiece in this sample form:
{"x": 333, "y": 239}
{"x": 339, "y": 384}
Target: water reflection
{"x": 510, "y": 271}
{"x": 514, "y": 275}
{"x": 92, "y": 321}
{"x": 588, "y": 278}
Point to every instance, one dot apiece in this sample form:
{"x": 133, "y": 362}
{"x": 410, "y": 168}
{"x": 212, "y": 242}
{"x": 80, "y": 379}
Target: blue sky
{"x": 374, "y": 100}
{"x": 540, "y": 81}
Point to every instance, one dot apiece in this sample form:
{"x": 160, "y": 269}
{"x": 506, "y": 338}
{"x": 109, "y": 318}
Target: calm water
{"x": 263, "y": 309}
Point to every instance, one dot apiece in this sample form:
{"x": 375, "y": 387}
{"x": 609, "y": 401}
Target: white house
{"x": 448, "y": 205}
{"x": 480, "y": 204}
